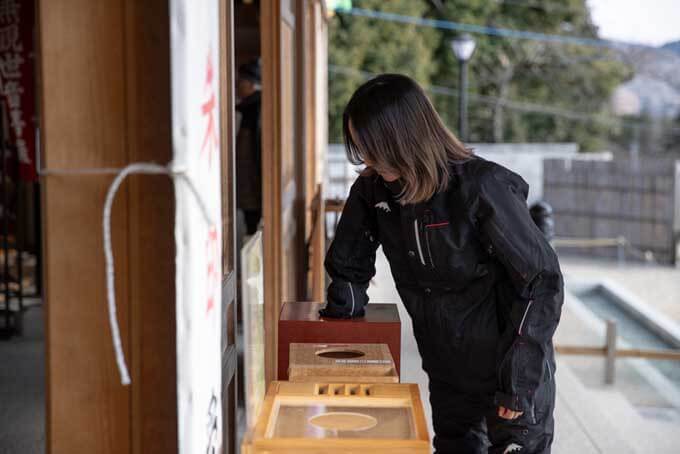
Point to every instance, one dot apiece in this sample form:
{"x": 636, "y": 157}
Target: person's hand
{"x": 506, "y": 413}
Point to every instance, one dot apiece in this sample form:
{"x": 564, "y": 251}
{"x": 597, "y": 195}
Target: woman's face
{"x": 387, "y": 174}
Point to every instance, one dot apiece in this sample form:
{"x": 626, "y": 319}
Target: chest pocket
{"x": 452, "y": 249}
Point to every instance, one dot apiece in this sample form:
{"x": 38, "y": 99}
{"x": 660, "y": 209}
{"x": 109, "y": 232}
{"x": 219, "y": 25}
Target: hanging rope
{"x": 137, "y": 168}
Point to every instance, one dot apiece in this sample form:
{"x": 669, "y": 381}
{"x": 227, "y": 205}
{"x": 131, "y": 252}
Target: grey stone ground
{"x": 22, "y": 388}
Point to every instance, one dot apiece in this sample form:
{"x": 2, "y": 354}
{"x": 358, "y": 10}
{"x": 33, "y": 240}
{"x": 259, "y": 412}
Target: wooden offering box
{"x": 299, "y": 322}
{"x": 342, "y": 363}
{"x": 333, "y": 418}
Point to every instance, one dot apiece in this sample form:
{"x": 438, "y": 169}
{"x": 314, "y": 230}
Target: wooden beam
{"x": 270, "y": 25}
{"x": 577, "y": 350}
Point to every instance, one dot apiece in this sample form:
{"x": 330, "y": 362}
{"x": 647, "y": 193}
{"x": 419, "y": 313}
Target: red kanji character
{"x": 210, "y": 139}
{"x": 212, "y": 257}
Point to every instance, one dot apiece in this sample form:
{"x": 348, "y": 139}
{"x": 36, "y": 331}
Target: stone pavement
{"x": 589, "y": 419}
{"x": 22, "y": 388}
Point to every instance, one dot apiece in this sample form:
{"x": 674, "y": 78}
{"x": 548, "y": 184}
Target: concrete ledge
{"x": 658, "y": 323}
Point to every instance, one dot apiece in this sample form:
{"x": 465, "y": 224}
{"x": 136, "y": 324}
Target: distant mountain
{"x": 672, "y": 46}
{"x": 656, "y": 83}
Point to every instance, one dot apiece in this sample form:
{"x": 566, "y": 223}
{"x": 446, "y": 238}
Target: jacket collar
{"x": 395, "y": 186}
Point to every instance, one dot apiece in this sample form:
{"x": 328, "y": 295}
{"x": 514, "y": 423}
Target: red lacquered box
{"x": 300, "y": 322}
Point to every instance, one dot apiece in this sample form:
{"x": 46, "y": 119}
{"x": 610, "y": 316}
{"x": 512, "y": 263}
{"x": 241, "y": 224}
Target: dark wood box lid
{"x": 309, "y": 311}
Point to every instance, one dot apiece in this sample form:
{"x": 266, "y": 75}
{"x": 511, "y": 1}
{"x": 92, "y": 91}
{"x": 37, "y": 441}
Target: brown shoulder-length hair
{"x": 396, "y": 128}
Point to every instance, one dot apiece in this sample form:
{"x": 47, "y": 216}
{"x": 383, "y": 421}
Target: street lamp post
{"x": 463, "y": 47}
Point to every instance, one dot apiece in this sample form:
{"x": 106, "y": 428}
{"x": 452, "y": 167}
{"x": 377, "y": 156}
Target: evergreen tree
{"x": 509, "y": 78}
{"x": 359, "y": 44}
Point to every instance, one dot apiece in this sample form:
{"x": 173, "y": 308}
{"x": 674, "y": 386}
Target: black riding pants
{"x": 468, "y": 424}
{"x": 459, "y": 343}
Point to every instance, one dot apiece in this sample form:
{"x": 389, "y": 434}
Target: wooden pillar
{"x": 105, "y": 100}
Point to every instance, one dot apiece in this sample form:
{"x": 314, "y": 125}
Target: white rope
{"x": 137, "y": 168}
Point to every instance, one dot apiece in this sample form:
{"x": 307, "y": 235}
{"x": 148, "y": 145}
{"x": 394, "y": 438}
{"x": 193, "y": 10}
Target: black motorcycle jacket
{"x": 482, "y": 285}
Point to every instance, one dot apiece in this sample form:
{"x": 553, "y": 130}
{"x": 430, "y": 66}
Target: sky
{"x": 651, "y": 22}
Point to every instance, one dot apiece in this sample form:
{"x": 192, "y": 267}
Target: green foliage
{"x": 502, "y": 73}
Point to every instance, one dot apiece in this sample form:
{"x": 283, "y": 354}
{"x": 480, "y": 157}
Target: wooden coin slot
{"x": 336, "y": 390}
{"x": 339, "y": 353}
{"x": 321, "y": 389}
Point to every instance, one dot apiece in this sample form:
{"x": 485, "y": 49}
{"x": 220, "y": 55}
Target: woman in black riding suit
{"x": 482, "y": 285}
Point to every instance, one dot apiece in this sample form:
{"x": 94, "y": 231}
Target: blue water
{"x": 631, "y": 330}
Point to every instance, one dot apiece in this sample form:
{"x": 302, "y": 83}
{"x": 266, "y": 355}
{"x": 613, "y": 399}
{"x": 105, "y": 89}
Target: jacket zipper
{"x": 526, "y": 311}
{"x": 351, "y": 291}
{"x": 420, "y": 250}
{"x": 429, "y": 252}
{"x": 428, "y": 219}
{"x": 547, "y": 363}
{"x": 531, "y": 301}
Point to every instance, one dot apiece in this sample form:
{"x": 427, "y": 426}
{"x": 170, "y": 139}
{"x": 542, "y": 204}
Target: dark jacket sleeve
{"x": 533, "y": 303}
{"x": 350, "y": 260}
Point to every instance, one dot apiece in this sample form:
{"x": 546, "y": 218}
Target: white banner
{"x": 196, "y": 138}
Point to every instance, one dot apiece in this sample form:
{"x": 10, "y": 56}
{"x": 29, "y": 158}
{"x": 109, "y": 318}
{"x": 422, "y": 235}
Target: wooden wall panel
{"x": 227, "y": 145}
{"x": 270, "y": 14}
{"x": 321, "y": 83}
{"x": 288, "y": 99}
{"x": 309, "y": 114}
{"x": 290, "y": 156}
{"x": 230, "y": 375}
{"x": 106, "y": 102}
{"x": 314, "y": 120}
{"x": 290, "y": 43}
{"x": 279, "y": 151}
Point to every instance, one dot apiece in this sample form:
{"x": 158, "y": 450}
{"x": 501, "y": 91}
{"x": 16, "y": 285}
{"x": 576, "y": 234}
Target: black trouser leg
{"x": 525, "y": 435}
{"x": 465, "y": 423}
{"x": 458, "y": 420}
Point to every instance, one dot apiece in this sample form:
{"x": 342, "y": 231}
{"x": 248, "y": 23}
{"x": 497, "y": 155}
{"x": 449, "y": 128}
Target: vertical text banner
{"x": 17, "y": 80}
{"x": 195, "y": 129}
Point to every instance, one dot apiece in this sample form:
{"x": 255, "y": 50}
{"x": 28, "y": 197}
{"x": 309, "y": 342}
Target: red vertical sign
{"x": 17, "y": 80}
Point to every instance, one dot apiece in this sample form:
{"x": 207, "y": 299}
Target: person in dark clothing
{"x": 248, "y": 146}
{"x": 482, "y": 285}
